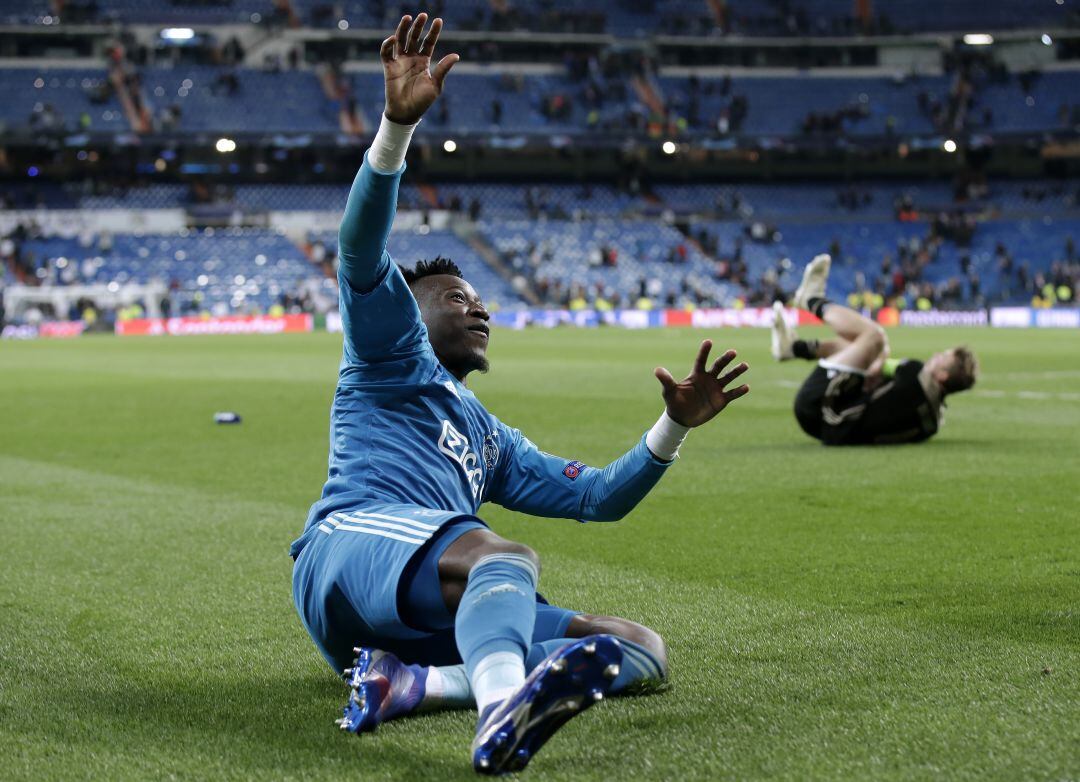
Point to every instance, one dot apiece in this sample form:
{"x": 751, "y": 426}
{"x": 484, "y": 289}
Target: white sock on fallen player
{"x": 447, "y": 687}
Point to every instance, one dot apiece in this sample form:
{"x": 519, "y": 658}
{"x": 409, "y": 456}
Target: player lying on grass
{"x": 856, "y": 395}
{"x": 393, "y": 559}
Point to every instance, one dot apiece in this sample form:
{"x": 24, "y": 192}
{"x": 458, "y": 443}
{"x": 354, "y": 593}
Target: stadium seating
{"x": 779, "y": 105}
{"x": 219, "y": 271}
{"x": 772, "y": 201}
{"x": 569, "y": 253}
{"x": 67, "y": 90}
{"x": 623, "y": 18}
{"x": 553, "y": 232}
{"x": 291, "y": 101}
{"x": 408, "y": 247}
{"x": 235, "y": 270}
{"x": 469, "y": 105}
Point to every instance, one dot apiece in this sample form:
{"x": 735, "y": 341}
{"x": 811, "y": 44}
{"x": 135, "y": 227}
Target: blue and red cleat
{"x": 381, "y": 688}
{"x": 568, "y": 681}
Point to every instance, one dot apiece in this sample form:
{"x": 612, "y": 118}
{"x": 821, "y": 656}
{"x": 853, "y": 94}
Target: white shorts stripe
{"x": 400, "y": 519}
{"x": 380, "y": 533}
{"x": 325, "y": 528}
{"x": 366, "y": 522}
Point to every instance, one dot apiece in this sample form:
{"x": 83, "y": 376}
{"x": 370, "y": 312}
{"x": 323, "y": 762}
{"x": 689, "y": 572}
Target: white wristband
{"x": 664, "y": 439}
{"x": 387, "y": 152}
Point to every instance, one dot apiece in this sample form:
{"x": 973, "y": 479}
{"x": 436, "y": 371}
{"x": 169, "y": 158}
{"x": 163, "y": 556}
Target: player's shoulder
{"x": 909, "y": 368}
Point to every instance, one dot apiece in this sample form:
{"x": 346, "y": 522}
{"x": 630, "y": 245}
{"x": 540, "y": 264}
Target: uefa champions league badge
{"x": 573, "y": 470}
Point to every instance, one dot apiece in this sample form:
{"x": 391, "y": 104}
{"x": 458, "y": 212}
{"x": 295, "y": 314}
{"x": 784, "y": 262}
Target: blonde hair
{"x": 962, "y": 372}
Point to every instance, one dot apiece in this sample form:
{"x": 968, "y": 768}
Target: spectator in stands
{"x": 169, "y": 117}
{"x": 1023, "y": 279}
{"x": 46, "y": 118}
{"x": 232, "y": 53}
{"x": 227, "y": 82}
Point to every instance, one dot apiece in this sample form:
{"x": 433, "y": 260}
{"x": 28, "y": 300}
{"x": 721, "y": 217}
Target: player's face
{"x": 940, "y": 364}
{"x": 456, "y": 321}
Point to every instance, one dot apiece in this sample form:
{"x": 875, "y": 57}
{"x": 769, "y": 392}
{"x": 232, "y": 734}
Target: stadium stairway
{"x": 468, "y": 233}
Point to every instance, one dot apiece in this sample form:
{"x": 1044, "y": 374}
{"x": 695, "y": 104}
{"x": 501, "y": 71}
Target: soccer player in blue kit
{"x": 396, "y": 579}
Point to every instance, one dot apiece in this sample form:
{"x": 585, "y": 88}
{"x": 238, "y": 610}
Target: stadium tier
{"x": 624, "y": 18}
{"x": 217, "y": 272}
{"x": 874, "y": 200}
{"x": 210, "y": 100}
{"x": 52, "y": 101}
{"x": 622, "y": 257}
{"x": 708, "y": 263}
{"x": 408, "y": 247}
{"x": 233, "y": 270}
{"x": 193, "y": 98}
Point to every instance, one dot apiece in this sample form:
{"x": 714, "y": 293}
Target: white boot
{"x": 782, "y": 337}
{"x": 814, "y": 278}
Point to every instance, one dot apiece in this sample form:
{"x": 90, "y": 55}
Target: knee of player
{"x": 510, "y": 548}
{"x": 654, "y": 642}
{"x": 645, "y": 637}
{"x": 521, "y": 550}
{"x": 879, "y": 339}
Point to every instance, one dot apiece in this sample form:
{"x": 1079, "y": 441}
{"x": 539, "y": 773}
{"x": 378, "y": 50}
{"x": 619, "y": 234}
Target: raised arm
{"x": 411, "y": 87}
{"x": 535, "y": 482}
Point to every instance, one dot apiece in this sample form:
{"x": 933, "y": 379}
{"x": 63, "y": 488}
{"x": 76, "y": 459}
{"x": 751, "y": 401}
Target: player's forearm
{"x": 616, "y": 489}
{"x": 370, "y": 210}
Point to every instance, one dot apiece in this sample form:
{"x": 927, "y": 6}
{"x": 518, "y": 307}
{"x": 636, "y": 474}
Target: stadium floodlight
{"x": 449, "y": 145}
{"x": 177, "y": 33}
{"x": 1047, "y": 40}
{"x": 343, "y": 24}
{"x": 949, "y": 145}
{"x": 978, "y": 39}
{"x": 225, "y": 145}
{"x": 669, "y": 147}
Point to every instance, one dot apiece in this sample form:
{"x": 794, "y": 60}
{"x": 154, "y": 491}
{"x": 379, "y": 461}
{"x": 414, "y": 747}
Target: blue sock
{"x": 494, "y": 625}
{"x": 639, "y": 665}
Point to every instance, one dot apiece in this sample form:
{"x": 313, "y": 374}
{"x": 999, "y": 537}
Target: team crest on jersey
{"x": 573, "y": 470}
{"x": 491, "y": 450}
{"x": 456, "y": 445}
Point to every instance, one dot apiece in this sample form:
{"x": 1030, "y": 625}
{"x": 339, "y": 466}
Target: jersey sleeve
{"x": 379, "y": 316}
{"x": 534, "y": 482}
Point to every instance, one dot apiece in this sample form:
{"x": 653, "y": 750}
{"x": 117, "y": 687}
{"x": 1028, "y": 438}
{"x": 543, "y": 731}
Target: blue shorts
{"x": 348, "y": 584}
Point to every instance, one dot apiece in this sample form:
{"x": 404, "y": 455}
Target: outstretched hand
{"x": 701, "y": 395}
{"x": 411, "y": 84}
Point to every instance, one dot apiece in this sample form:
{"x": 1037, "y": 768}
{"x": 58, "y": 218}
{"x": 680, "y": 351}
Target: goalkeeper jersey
{"x": 404, "y": 430}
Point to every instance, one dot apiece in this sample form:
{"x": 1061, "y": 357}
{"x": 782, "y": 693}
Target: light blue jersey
{"x": 404, "y": 431}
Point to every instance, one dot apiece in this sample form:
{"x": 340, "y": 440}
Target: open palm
{"x": 701, "y": 395}
{"x": 411, "y": 85}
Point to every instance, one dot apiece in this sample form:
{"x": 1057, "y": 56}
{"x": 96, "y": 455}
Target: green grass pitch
{"x": 899, "y": 613}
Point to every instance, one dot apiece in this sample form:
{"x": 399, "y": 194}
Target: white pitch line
{"x": 1064, "y": 396}
{"x": 1046, "y": 375}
